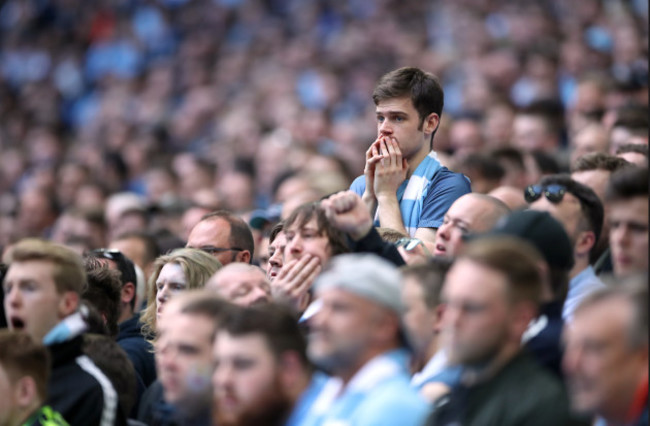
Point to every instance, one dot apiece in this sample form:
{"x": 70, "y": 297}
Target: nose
{"x": 163, "y": 294}
{"x": 294, "y": 246}
{"x": 13, "y": 296}
{"x": 276, "y": 259}
{"x": 385, "y": 129}
{"x": 222, "y": 376}
{"x": 443, "y": 231}
{"x": 451, "y": 316}
{"x": 164, "y": 356}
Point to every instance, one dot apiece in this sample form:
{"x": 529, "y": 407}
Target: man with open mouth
{"x": 42, "y": 290}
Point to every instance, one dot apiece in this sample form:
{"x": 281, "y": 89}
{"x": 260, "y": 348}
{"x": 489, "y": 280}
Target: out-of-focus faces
{"x": 342, "y": 329}
{"x": 32, "y": 302}
{"x": 184, "y": 358}
{"x": 171, "y": 280}
{"x": 243, "y": 286}
{"x": 476, "y": 318}
{"x": 419, "y": 319}
{"x": 602, "y": 368}
{"x": 247, "y": 377}
{"x": 628, "y": 236}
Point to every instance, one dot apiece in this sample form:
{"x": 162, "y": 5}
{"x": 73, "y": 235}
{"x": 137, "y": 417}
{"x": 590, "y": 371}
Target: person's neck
{"x": 126, "y": 314}
{"x": 347, "y": 373}
{"x": 579, "y": 265}
{"x": 432, "y": 349}
{"x": 416, "y": 159}
{"x": 294, "y": 392}
{"x": 474, "y": 374}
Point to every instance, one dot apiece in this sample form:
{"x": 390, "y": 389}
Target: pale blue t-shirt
{"x": 445, "y": 188}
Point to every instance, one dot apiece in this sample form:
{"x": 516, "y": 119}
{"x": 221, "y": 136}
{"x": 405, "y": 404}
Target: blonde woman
{"x": 178, "y": 271}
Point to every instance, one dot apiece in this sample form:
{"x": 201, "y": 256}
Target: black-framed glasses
{"x": 410, "y": 244}
{"x": 213, "y": 250}
{"x": 553, "y": 193}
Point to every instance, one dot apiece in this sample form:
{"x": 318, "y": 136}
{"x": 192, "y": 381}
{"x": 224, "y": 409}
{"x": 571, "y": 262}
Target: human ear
{"x": 26, "y": 393}
{"x": 431, "y": 123}
{"x": 68, "y": 303}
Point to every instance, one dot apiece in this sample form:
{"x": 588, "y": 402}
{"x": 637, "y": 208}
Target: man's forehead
{"x": 303, "y": 222}
{"x": 253, "y": 342}
{"x": 473, "y": 279}
{"x": 399, "y": 104}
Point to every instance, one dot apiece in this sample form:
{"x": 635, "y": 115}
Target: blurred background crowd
{"x": 194, "y": 105}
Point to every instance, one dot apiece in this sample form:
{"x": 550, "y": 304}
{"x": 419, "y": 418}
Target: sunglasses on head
{"x": 111, "y": 254}
{"x": 553, "y": 193}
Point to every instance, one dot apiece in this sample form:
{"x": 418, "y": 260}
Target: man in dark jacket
{"x": 130, "y": 336}
{"x": 491, "y": 293}
{"x": 42, "y": 288}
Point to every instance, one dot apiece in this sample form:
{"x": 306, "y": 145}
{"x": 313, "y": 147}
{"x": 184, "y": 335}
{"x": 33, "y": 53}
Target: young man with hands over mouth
{"x": 404, "y": 185}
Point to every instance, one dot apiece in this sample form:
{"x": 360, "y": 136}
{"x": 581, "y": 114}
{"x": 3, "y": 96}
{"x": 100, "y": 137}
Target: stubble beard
{"x": 271, "y": 408}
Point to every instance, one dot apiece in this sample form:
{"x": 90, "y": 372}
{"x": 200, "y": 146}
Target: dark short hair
{"x": 590, "y": 205}
{"x": 240, "y": 233}
{"x": 598, "y": 161}
{"x": 423, "y": 88}
{"x": 487, "y": 166}
{"x": 513, "y": 257}
{"x": 430, "y": 276}
{"x": 151, "y": 248}
{"x": 277, "y": 323}
{"x": 635, "y": 291}
{"x": 207, "y": 304}
{"x": 20, "y": 356}
{"x": 510, "y": 155}
{"x": 627, "y": 183}
{"x": 277, "y": 228}
{"x": 304, "y": 213}
{"x": 551, "y": 111}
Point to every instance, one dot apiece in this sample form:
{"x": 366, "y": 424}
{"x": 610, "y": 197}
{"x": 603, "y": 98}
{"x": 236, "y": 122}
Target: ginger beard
{"x": 270, "y": 407}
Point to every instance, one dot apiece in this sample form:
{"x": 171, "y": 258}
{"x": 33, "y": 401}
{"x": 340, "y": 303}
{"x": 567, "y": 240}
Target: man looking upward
{"x": 404, "y": 185}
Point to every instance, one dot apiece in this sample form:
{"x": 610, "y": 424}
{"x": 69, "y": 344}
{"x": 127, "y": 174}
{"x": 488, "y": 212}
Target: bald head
{"x": 471, "y": 213}
{"x": 241, "y": 283}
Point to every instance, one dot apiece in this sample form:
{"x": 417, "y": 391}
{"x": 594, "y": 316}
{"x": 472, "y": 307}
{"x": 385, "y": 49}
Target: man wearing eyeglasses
{"x": 471, "y": 213}
{"x": 223, "y": 235}
{"x": 579, "y": 210}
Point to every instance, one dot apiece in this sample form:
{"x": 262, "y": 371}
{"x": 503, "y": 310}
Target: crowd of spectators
{"x": 175, "y": 227}
{"x": 206, "y": 104}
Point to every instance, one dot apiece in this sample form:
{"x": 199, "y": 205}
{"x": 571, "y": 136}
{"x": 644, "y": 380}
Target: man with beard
{"x": 357, "y": 337}
{"x": 183, "y": 350}
{"x": 491, "y": 294}
{"x": 262, "y": 368}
